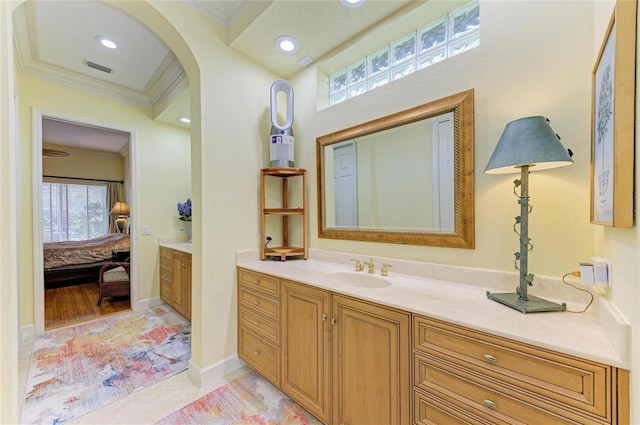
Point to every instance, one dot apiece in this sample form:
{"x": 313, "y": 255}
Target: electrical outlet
{"x": 586, "y": 274}
{"x": 602, "y": 271}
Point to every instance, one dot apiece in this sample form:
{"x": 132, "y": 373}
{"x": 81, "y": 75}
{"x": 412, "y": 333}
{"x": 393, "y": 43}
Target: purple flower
{"x": 184, "y": 210}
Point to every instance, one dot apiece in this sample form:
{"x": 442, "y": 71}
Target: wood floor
{"x": 74, "y": 304}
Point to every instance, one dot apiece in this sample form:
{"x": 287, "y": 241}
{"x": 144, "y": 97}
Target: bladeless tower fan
{"x": 281, "y": 140}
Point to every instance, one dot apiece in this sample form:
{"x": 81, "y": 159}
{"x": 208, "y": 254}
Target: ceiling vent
{"x": 98, "y": 67}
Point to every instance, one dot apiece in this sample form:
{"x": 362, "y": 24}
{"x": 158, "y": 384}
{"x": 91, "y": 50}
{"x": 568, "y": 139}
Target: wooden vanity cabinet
{"x": 349, "y": 361}
{"x": 175, "y": 280}
{"x": 365, "y": 345}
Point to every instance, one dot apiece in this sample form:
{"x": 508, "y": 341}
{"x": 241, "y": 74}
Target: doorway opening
{"x": 75, "y": 191}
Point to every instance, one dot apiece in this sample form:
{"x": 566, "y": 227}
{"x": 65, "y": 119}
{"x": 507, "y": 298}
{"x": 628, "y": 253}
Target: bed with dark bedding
{"x": 80, "y": 261}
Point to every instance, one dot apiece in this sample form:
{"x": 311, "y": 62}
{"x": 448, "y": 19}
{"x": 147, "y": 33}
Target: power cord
{"x": 577, "y": 274}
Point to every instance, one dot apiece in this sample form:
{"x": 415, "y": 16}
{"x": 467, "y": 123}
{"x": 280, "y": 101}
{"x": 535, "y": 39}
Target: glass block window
{"x": 447, "y": 36}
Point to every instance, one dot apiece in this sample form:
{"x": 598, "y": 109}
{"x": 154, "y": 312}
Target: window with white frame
{"x": 454, "y": 33}
{"x": 74, "y": 212}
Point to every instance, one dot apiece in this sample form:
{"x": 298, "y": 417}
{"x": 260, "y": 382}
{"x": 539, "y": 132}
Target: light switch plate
{"x": 146, "y": 229}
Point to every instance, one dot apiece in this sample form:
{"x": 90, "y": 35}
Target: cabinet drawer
{"x": 166, "y": 275}
{"x": 431, "y": 410}
{"x": 484, "y": 396}
{"x": 165, "y": 253}
{"x": 259, "y": 282}
{"x": 577, "y": 384}
{"x": 259, "y": 354}
{"x": 165, "y": 292}
{"x": 166, "y": 264}
{"x": 263, "y": 305}
{"x": 258, "y": 324}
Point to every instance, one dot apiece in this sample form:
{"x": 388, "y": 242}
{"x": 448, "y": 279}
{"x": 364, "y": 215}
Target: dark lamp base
{"x": 533, "y": 305}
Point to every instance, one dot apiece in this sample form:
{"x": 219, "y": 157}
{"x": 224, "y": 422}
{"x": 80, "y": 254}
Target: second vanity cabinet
{"x": 175, "y": 280}
{"x": 353, "y": 362}
{"x": 346, "y": 361}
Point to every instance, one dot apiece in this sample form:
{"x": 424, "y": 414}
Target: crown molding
{"x": 166, "y": 78}
{"x": 222, "y": 13}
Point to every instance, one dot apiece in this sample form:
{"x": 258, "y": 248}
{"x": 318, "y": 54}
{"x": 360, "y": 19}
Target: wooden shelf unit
{"x": 285, "y": 250}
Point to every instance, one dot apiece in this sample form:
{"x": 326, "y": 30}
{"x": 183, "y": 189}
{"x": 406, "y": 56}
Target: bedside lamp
{"x": 527, "y": 144}
{"x": 121, "y": 209}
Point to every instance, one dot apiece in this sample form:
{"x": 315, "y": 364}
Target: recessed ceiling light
{"x": 184, "y": 119}
{"x": 106, "y": 42}
{"x": 352, "y": 3}
{"x": 287, "y": 44}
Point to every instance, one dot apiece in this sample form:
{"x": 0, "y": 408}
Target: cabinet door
{"x": 371, "y": 378}
{"x": 177, "y": 295}
{"x": 186, "y": 287}
{"x": 305, "y": 347}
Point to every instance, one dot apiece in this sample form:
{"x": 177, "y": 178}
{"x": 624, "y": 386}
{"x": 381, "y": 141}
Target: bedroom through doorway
{"x": 82, "y": 205}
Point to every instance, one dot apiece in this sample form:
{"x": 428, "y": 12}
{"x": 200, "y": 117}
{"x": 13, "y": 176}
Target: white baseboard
{"x": 210, "y": 374}
{"x": 27, "y": 332}
{"x": 148, "y": 303}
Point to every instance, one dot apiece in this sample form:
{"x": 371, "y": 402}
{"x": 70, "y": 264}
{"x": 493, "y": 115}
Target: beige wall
{"x": 533, "y": 66}
{"x": 229, "y": 128}
{"x": 83, "y": 163}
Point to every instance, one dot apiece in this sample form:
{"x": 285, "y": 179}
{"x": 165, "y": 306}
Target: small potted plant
{"x": 184, "y": 213}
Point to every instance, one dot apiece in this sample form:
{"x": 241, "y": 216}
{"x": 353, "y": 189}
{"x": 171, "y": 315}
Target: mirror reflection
{"x": 404, "y": 178}
{"x": 368, "y": 178}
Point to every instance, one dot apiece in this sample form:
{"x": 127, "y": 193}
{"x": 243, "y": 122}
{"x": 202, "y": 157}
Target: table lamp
{"x": 527, "y": 144}
{"x": 121, "y": 209}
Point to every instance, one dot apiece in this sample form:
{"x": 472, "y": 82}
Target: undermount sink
{"x": 360, "y": 279}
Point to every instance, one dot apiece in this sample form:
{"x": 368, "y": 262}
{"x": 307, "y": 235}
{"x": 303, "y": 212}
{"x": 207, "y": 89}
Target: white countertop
{"x": 582, "y": 335}
{"x": 178, "y": 246}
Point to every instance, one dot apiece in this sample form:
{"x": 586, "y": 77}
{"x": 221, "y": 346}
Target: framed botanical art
{"x": 613, "y": 121}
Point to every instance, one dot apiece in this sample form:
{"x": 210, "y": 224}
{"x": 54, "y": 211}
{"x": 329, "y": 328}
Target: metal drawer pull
{"x": 333, "y": 321}
{"x": 490, "y": 358}
{"x": 257, "y": 353}
{"x": 257, "y": 323}
{"x": 490, "y": 404}
{"x": 256, "y": 281}
{"x": 256, "y": 302}
{"x": 324, "y": 317}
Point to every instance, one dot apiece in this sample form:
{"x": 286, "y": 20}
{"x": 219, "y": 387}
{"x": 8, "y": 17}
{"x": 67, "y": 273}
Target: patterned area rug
{"x": 81, "y": 368}
{"x": 247, "y": 400}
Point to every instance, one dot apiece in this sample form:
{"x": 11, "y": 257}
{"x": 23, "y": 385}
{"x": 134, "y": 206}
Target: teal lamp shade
{"x": 528, "y": 141}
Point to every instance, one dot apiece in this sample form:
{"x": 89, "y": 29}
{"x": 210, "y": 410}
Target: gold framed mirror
{"x": 406, "y": 178}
